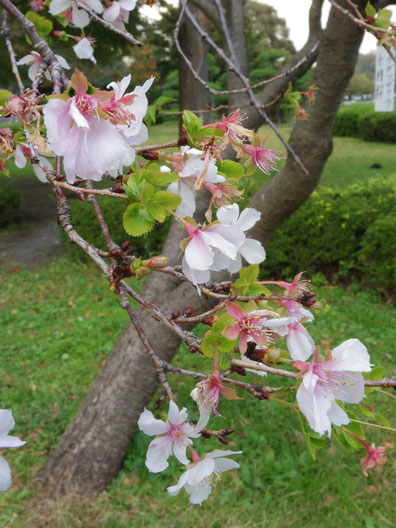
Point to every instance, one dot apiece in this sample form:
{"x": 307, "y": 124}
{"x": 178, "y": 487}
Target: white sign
{"x": 384, "y": 81}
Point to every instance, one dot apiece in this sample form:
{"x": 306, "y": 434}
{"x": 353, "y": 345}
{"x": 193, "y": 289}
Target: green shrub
{"x": 379, "y": 126}
{"x": 84, "y": 220}
{"x": 343, "y": 234}
{"x": 360, "y": 121}
{"x": 10, "y": 200}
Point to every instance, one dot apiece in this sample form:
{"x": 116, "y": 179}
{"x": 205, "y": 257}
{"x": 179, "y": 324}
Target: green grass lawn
{"x": 58, "y": 333}
{"x": 59, "y": 324}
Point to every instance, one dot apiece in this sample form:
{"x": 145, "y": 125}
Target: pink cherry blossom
{"x": 233, "y": 130}
{"x": 207, "y": 394}
{"x": 7, "y": 423}
{"x": 375, "y": 455}
{"x": 90, "y": 145}
{"x": 204, "y": 473}
{"x": 264, "y": 158}
{"x": 134, "y": 103}
{"x": 337, "y": 378}
{"x": 248, "y": 326}
{"x": 170, "y": 436}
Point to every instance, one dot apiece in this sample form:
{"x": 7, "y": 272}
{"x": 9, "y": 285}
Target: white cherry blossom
{"x": 196, "y": 163}
{"x": 251, "y": 250}
{"x": 299, "y": 343}
{"x": 339, "y": 378}
{"x": 172, "y": 436}
{"x": 34, "y": 60}
{"x": 79, "y": 17}
{"x": 84, "y": 49}
{"x": 7, "y": 423}
{"x": 22, "y": 154}
{"x": 204, "y": 473}
{"x": 118, "y": 13}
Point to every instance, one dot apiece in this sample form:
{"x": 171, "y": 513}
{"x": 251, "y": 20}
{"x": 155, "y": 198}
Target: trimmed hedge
{"x": 10, "y": 200}
{"x": 86, "y": 224}
{"x": 344, "y": 234}
{"x": 360, "y": 121}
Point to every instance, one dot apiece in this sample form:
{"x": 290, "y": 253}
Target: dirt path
{"x": 32, "y": 246}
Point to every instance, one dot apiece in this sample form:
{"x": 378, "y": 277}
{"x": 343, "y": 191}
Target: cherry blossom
{"x": 34, "y": 60}
{"x": 337, "y": 378}
{"x": 204, "y": 473}
{"x": 23, "y": 154}
{"x": 91, "y": 145}
{"x": 204, "y": 245}
{"x": 251, "y": 250}
{"x": 233, "y": 130}
{"x": 79, "y": 17}
{"x": 207, "y": 394}
{"x": 84, "y": 49}
{"x": 190, "y": 166}
{"x": 7, "y": 423}
{"x": 375, "y": 456}
{"x": 134, "y": 104}
{"x": 264, "y": 158}
{"x": 299, "y": 343}
{"x": 248, "y": 326}
{"x": 118, "y": 13}
{"x": 170, "y": 436}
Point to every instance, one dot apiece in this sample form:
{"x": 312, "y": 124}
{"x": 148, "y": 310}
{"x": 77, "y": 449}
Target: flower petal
{"x": 174, "y": 490}
{"x": 351, "y": 355}
{"x": 225, "y": 464}
{"x": 7, "y": 422}
{"x": 201, "y": 470}
{"x": 299, "y": 343}
{"x": 5, "y": 475}
{"x": 248, "y": 218}
{"x": 200, "y": 492}
{"x": 198, "y": 253}
{"x": 228, "y": 214}
{"x": 252, "y": 251}
{"x": 158, "y": 453}
{"x": 150, "y": 425}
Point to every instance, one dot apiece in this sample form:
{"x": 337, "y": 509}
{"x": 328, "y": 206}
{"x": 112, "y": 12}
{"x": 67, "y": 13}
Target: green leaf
{"x": 246, "y": 284}
{"x": 212, "y": 340}
{"x": 152, "y": 174}
{"x": 137, "y": 221}
{"x": 168, "y": 200}
{"x": 365, "y": 411}
{"x": 381, "y": 420}
{"x": 220, "y": 323}
{"x": 163, "y": 100}
{"x": 147, "y": 195}
{"x": 375, "y": 373}
{"x": 4, "y": 96}
{"x": 345, "y": 440}
{"x": 42, "y": 25}
{"x": 384, "y": 18}
{"x": 151, "y": 115}
{"x": 370, "y": 10}
{"x": 314, "y": 440}
{"x": 231, "y": 169}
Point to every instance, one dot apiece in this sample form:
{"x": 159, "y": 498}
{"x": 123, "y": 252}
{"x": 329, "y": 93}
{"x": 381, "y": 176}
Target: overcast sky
{"x": 295, "y": 12}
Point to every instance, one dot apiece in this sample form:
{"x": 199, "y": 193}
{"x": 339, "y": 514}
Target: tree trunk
{"x": 92, "y": 449}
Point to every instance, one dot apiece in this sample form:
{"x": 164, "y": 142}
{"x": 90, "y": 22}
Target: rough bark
{"x": 91, "y": 451}
{"x": 192, "y": 95}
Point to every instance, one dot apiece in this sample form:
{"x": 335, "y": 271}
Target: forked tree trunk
{"x": 92, "y": 449}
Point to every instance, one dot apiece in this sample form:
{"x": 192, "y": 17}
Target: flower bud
{"x": 157, "y": 262}
{"x": 175, "y": 315}
{"x": 114, "y": 287}
{"x": 151, "y": 155}
{"x": 142, "y": 271}
{"x": 207, "y": 321}
{"x": 182, "y": 141}
{"x": 188, "y": 311}
{"x": 193, "y": 349}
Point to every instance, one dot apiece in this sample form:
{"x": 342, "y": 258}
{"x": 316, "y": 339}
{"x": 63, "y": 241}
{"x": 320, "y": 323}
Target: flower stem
{"x": 374, "y": 425}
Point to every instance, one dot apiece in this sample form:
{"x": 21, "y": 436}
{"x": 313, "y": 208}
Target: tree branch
{"x": 5, "y": 31}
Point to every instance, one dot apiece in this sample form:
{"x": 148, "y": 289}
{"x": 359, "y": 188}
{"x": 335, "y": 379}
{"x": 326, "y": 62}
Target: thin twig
{"x": 108, "y": 25}
{"x": 169, "y": 144}
{"x": 77, "y": 190}
{"x": 264, "y": 368}
{"x": 144, "y": 339}
{"x": 5, "y": 31}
